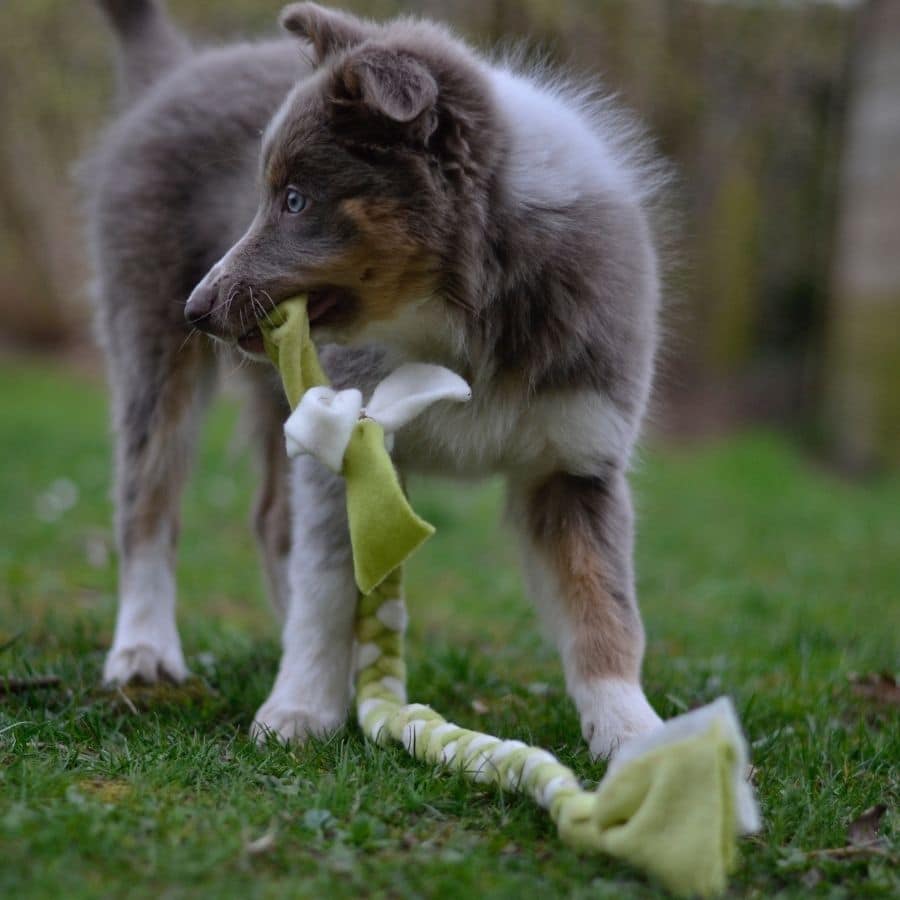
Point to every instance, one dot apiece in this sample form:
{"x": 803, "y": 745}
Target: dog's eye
{"x": 294, "y": 201}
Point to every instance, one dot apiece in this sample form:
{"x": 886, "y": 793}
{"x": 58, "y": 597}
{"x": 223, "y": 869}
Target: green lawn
{"x": 760, "y": 577}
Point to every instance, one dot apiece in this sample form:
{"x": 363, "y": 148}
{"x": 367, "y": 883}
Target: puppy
{"x": 435, "y": 206}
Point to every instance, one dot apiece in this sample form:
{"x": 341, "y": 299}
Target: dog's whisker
{"x": 187, "y": 339}
{"x": 253, "y": 304}
{"x": 205, "y": 315}
{"x": 269, "y": 297}
{"x": 240, "y": 364}
{"x": 262, "y": 314}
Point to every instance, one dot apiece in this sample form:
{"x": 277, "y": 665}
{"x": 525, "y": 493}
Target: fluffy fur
{"x": 451, "y": 210}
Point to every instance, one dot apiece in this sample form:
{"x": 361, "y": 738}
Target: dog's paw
{"x": 612, "y": 711}
{"x": 291, "y": 722}
{"x": 144, "y": 662}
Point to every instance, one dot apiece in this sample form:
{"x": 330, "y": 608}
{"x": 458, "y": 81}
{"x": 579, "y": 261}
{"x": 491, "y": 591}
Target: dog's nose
{"x": 201, "y": 303}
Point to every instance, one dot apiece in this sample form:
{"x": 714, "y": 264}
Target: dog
{"x": 435, "y": 205}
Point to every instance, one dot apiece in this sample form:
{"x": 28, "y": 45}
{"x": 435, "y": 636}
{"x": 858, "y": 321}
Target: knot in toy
{"x": 351, "y": 440}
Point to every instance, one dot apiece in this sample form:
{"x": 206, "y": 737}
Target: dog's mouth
{"x": 252, "y": 342}
{"x": 325, "y": 306}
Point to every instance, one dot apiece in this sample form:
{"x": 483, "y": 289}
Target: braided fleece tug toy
{"x": 672, "y": 802}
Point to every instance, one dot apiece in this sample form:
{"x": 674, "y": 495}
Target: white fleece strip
{"x": 396, "y": 686}
{"x": 536, "y": 758}
{"x": 411, "y": 389}
{"x": 505, "y": 748}
{"x": 392, "y": 615}
{"x": 367, "y": 655}
{"x": 322, "y": 425}
{"x": 446, "y": 728}
{"x": 366, "y": 707}
{"x": 483, "y": 740}
{"x": 554, "y": 786}
{"x": 324, "y": 420}
{"x": 412, "y": 734}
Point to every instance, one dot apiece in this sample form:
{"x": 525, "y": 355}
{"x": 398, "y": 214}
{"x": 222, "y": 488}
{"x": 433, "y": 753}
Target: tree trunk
{"x": 863, "y": 366}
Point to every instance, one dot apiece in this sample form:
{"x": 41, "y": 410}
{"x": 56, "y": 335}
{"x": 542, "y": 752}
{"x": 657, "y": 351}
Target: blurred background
{"x": 782, "y": 120}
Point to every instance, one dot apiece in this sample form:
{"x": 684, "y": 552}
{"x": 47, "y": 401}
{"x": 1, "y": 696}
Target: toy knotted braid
{"x": 672, "y": 802}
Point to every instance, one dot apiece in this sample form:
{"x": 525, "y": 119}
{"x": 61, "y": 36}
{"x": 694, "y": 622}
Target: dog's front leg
{"x": 312, "y": 690}
{"x": 577, "y": 545}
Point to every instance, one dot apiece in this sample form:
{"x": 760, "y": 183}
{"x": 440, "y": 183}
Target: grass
{"x": 759, "y": 576}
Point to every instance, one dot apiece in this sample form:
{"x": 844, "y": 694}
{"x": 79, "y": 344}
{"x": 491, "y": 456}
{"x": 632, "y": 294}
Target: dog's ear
{"x": 328, "y": 30}
{"x": 390, "y": 84}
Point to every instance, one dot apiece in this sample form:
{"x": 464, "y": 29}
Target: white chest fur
{"x": 577, "y": 431}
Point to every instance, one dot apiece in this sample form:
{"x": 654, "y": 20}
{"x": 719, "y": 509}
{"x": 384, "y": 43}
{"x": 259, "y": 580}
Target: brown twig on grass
{"x": 127, "y": 700}
{"x": 20, "y": 685}
{"x": 876, "y": 848}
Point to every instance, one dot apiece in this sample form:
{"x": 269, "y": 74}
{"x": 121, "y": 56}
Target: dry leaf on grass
{"x": 262, "y": 844}
{"x": 10, "y": 685}
{"x": 863, "y": 831}
{"x": 863, "y": 840}
{"x": 880, "y": 687}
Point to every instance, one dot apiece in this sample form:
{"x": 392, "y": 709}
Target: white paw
{"x": 145, "y": 662}
{"x": 146, "y": 645}
{"x": 292, "y": 722}
{"x": 612, "y": 711}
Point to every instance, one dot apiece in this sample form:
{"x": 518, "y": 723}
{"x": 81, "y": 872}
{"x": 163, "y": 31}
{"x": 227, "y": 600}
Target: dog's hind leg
{"x": 159, "y": 385}
{"x": 577, "y": 543}
{"x": 272, "y": 512}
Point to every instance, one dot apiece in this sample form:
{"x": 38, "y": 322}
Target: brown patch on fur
{"x": 568, "y": 516}
{"x": 271, "y": 513}
{"x": 158, "y": 424}
{"x": 387, "y": 266}
{"x": 272, "y": 510}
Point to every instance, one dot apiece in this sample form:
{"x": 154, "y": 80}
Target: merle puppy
{"x": 435, "y": 206}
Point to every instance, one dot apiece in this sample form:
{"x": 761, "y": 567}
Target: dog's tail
{"x": 149, "y": 44}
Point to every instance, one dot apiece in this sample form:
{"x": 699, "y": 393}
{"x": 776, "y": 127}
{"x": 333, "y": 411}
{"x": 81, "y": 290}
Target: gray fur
{"x": 548, "y": 310}
{"x": 149, "y": 44}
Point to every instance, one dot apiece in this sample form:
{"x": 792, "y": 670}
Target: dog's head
{"x": 370, "y": 170}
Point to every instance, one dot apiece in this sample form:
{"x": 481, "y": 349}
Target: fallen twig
{"x": 871, "y": 847}
{"x": 126, "y": 700}
{"x": 20, "y": 685}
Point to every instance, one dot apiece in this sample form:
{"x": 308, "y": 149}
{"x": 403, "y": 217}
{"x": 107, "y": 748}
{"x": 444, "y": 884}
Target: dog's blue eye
{"x": 294, "y": 201}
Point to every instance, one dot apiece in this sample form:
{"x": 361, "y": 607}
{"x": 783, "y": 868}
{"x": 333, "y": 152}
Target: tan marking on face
{"x": 388, "y": 267}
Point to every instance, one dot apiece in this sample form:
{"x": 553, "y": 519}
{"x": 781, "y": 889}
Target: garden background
{"x": 768, "y": 499}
